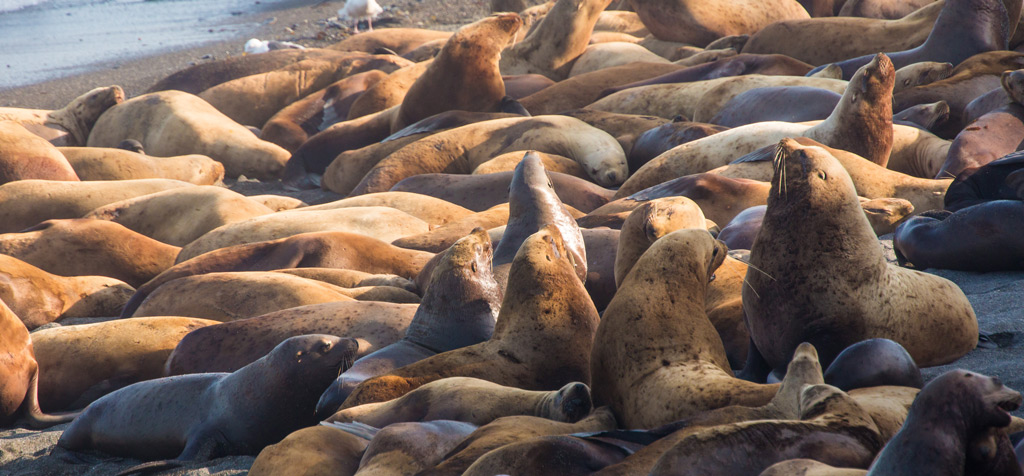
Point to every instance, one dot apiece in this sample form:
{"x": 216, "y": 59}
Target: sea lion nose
{"x": 612, "y": 177}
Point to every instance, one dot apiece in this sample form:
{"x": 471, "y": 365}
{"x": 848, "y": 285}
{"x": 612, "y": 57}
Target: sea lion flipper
{"x": 361, "y": 430}
{"x": 36, "y": 417}
{"x": 151, "y": 467}
{"x": 763, "y": 154}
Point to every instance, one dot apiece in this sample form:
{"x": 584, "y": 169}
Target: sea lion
{"x": 532, "y": 206}
{"x": 313, "y": 451}
{"x": 924, "y": 116}
{"x": 864, "y": 116}
{"x": 700, "y": 24}
{"x": 385, "y": 94}
{"x": 383, "y": 223}
{"x": 978, "y": 26}
{"x": 997, "y": 180}
{"x": 99, "y": 163}
{"x": 472, "y": 400}
{"x": 205, "y": 75}
{"x": 296, "y": 122}
{"x": 71, "y": 125}
{"x": 623, "y": 127}
{"x": 556, "y": 42}
{"x": 814, "y": 181}
{"x": 405, "y": 448}
{"x": 28, "y": 202}
{"x": 307, "y": 250}
{"x": 432, "y": 210}
{"x": 170, "y": 123}
{"x": 658, "y": 140}
{"x": 20, "y": 376}
{"x": 482, "y": 192}
{"x": 990, "y": 137}
{"x": 458, "y": 309}
{"x": 882, "y": 9}
{"x": 950, "y": 412}
{"x": 919, "y": 74}
{"x": 982, "y": 237}
{"x": 82, "y": 247}
{"x": 442, "y": 237}
{"x": 518, "y": 86}
{"x": 507, "y": 163}
{"x": 549, "y": 455}
{"x": 605, "y": 55}
{"x": 199, "y": 417}
{"x": 869, "y": 180}
{"x": 579, "y": 91}
{"x": 820, "y": 41}
{"x": 506, "y": 430}
{"x": 350, "y": 278}
{"x": 465, "y": 73}
{"x": 873, "y": 363}
{"x": 776, "y": 103}
{"x": 83, "y": 362}
{"x": 236, "y": 295}
{"x": 399, "y": 40}
{"x": 229, "y": 346}
{"x": 180, "y": 216}
{"x": 462, "y": 149}
{"x": 38, "y": 297}
{"x": 720, "y": 198}
{"x": 24, "y": 155}
{"x": 278, "y": 88}
{"x": 544, "y": 292}
{"x": 739, "y": 233}
{"x": 833, "y": 428}
{"x": 694, "y": 377}
{"x": 649, "y": 222}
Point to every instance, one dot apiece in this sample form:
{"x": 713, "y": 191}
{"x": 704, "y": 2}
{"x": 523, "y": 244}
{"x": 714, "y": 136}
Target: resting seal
{"x": 982, "y": 237}
{"x": 25, "y": 156}
{"x": 836, "y": 309}
{"x": 69, "y": 126}
{"x": 203, "y": 416}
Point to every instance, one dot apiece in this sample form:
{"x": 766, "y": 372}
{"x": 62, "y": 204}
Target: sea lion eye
{"x": 472, "y": 266}
{"x": 822, "y": 175}
{"x": 325, "y": 347}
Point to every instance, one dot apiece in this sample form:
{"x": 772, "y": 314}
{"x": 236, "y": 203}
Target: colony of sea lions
{"x": 565, "y": 240}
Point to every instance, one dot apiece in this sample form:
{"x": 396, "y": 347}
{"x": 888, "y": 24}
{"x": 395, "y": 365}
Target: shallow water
{"x": 47, "y": 39}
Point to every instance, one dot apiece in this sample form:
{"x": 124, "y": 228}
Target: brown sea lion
{"x": 205, "y": 75}
{"x": 865, "y": 111}
{"x": 506, "y": 430}
{"x": 649, "y": 222}
{"x": 307, "y": 250}
{"x": 507, "y": 162}
{"x": 405, "y": 448}
{"x": 313, "y": 451}
{"x": 833, "y": 428}
{"x": 383, "y": 95}
{"x": 983, "y": 237}
{"x": 700, "y": 24}
{"x": 100, "y": 163}
{"x": 550, "y": 455}
{"x": 963, "y": 29}
{"x": 881, "y": 9}
{"x": 519, "y": 86}
{"x": 607, "y": 54}
{"x": 949, "y": 413}
{"x": 173, "y": 123}
{"x": 199, "y": 417}
{"x": 472, "y": 400}
{"x": 554, "y": 44}
{"x": 82, "y": 247}
{"x": 38, "y": 297}
{"x": 350, "y": 278}
{"x": 579, "y": 91}
{"x": 821, "y": 41}
{"x": 696, "y": 376}
{"x": 24, "y": 155}
{"x": 399, "y": 40}
{"x": 462, "y": 149}
{"x": 458, "y": 309}
{"x": 83, "y": 362}
{"x": 808, "y": 175}
{"x": 28, "y": 202}
{"x": 544, "y": 292}
{"x": 229, "y": 346}
{"x": 440, "y": 238}
{"x": 296, "y": 122}
{"x": 20, "y": 376}
{"x": 71, "y": 125}
{"x": 384, "y": 223}
{"x": 658, "y": 140}
{"x": 429, "y": 209}
{"x": 180, "y": 216}
{"x": 625, "y": 128}
{"x": 990, "y": 137}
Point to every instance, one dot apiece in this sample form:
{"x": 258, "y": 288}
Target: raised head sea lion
{"x": 814, "y": 181}
{"x": 458, "y": 309}
{"x": 81, "y": 247}
{"x": 24, "y": 155}
{"x": 69, "y": 126}
{"x": 203, "y": 416}
{"x": 173, "y": 123}
{"x": 544, "y": 293}
{"x": 649, "y": 222}
{"x": 556, "y": 42}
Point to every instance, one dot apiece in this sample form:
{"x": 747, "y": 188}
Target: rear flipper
{"x": 36, "y": 418}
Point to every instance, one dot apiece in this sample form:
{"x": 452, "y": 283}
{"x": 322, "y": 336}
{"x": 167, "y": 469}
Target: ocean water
{"x": 47, "y": 39}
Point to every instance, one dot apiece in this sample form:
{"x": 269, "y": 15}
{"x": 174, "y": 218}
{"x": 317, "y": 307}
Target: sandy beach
{"x": 997, "y": 298}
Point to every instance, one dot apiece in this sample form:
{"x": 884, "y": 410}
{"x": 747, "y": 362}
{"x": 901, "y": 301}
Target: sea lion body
{"x": 482, "y": 192}
{"x": 71, "y": 125}
{"x": 983, "y": 237}
{"x": 698, "y": 23}
{"x": 98, "y": 163}
{"x": 24, "y": 155}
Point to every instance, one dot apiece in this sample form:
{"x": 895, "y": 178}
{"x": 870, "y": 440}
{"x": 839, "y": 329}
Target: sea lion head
{"x": 314, "y": 353}
{"x": 919, "y": 74}
{"x": 982, "y": 401}
{"x": 810, "y": 178}
{"x": 81, "y": 114}
{"x": 484, "y": 38}
{"x": 873, "y": 81}
{"x": 1013, "y": 84}
{"x": 569, "y": 404}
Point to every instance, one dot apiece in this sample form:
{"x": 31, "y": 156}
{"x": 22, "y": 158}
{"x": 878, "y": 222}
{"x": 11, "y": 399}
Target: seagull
{"x": 359, "y": 9}
{"x": 255, "y": 46}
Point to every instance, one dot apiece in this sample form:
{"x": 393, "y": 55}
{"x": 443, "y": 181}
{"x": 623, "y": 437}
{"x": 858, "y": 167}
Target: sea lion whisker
{"x": 759, "y": 270}
{"x": 751, "y": 288}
